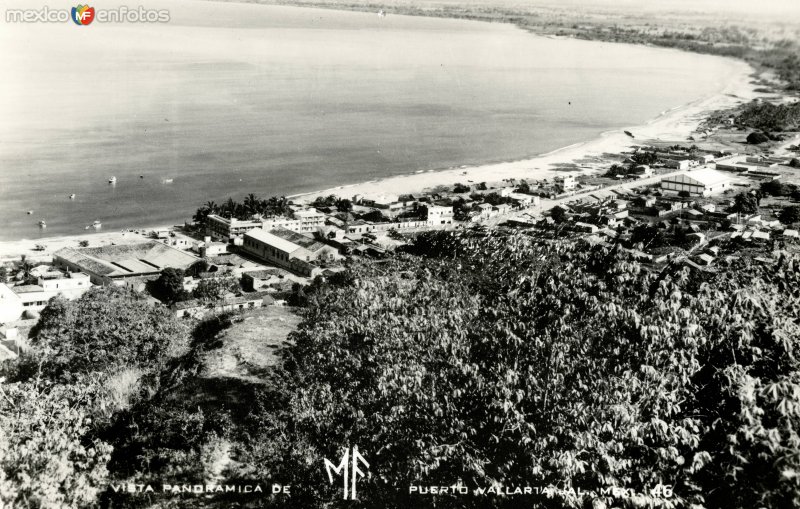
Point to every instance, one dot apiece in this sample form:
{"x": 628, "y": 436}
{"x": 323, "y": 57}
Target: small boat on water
{"x": 42, "y": 224}
{"x": 167, "y": 181}
{"x": 141, "y": 176}
{"x": 30, "y": 212}
{"x": 97, "y": 225}
{"x": 72, "y": 196}
{"x": 112, "y": 180}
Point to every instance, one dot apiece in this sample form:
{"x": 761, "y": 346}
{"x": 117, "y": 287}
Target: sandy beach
{"x": 588, "y": 157}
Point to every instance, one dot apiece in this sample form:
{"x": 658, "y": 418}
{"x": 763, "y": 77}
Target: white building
{"x": 10, "y": 305}
{"x": 702, "y": 182}
{"x": 679, "y": 164}
{"x": 567, "y": 182}
{"x": 438, "y": 215}
{"x": 303, "y": 221}
{"x": 17, "y": 299}
{"x": 219, "y": 227}
{"x": 525, "y": 200}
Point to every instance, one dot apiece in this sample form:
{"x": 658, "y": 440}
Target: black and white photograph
{"x": 400, "y": 254}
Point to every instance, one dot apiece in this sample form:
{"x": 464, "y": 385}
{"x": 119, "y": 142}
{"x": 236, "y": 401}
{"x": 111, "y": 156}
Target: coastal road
{"x": 547, "y": 204}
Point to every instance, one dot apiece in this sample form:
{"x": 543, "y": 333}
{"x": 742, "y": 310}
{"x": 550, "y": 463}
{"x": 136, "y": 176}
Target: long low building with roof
{"x": 702, "y": 182}
{"x": 116, "y": 264}
{"x": 289, "y": 249}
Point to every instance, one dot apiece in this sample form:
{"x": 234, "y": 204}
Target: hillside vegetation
{"x": 771, "y": 117}
{"x": 492, "y": 359}
{"x": 486, "y": 359}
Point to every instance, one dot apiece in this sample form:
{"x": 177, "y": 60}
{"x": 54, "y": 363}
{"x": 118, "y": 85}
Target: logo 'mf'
{"x": 348, "y": 472}
{"x": 82, "y": 14}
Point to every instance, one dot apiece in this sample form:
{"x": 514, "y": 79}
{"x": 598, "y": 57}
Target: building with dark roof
{"x": 116, "y": 264}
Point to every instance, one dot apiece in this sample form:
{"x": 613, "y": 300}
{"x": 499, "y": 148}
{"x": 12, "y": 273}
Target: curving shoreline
{"x": 589, "y": 156}
{"x": 675, "y": 124}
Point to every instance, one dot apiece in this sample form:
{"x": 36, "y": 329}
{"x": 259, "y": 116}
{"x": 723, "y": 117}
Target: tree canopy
{"x": 47, "y": 457}
{"x": 107, "y": 327}
{"x": 168, "y": 288}
{"x": 498, "y": 360}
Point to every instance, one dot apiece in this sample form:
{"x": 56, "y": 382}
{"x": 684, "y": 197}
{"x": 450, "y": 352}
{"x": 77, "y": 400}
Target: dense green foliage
{"x": 494, "y": 360}
{"x": 776, "y": 188}
{"x": 790, "y": 215}
{"x": 213, "y": 289}
{"x": 341, "y": 204}
{"x": 770, "y": 117}
{"x": 106, "y": 329}
{"x": 559, "y": 214}
{"x": 250, "y": 206}
{"x": 47, "y": 458}
{"x": 168, "y": 287}
{"x": 61, "y": 405}
{"x": 746, "y": 203}
{"x": 757, "y": 138}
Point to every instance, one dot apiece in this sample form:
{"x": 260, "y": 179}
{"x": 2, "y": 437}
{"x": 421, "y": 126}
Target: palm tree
{"x": 25, "y": 271}
{"x": 251, "y": 203}
{"x": 229, "y": 208}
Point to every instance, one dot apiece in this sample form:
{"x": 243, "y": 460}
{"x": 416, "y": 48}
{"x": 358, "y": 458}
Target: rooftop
{"x": 273, "y": 240}
{"x": 264, "y": 273}
{"x": 27, "y": 289}
{"x": 127, "y": 260}
{"x": 706, "y": 176}
{"x": 298, "y": 238}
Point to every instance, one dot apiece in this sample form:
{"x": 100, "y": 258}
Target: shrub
{"x": 107, "y": 329}
{"x": 47, "y": 456}
{"x": 757, "y": 138}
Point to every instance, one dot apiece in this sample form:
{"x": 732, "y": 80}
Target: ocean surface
{"x": 228, "y": 99}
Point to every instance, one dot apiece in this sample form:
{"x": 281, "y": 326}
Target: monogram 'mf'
{"x": 348, "y": 472}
